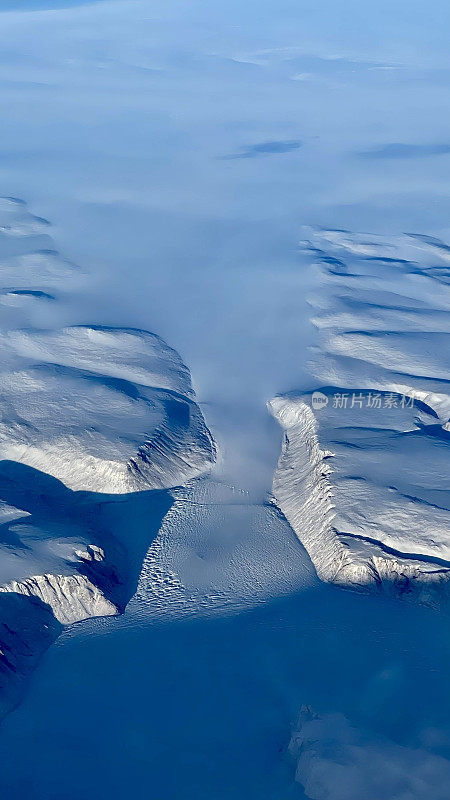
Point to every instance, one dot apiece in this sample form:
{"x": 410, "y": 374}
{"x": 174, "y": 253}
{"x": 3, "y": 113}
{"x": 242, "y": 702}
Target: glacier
{"x": 171, "y": 155}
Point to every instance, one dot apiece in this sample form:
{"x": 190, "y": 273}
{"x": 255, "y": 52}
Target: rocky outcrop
{"x": 303, "y": 489}
{"x": 72, "y": 598}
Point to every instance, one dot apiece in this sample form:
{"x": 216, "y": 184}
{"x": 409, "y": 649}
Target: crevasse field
{"x": 224, "y": 400}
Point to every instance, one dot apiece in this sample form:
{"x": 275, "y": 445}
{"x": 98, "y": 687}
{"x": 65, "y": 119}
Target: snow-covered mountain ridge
{"x": 363, "y": 475}
{"x": 90, "y": 415}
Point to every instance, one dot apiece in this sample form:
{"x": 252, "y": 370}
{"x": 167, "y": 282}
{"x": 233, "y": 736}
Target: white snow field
{"x": 363, "y": 479}
{"x": 168, "y": 154}
{"x": 100, "y": 408}
{"x": 96, "y": 433}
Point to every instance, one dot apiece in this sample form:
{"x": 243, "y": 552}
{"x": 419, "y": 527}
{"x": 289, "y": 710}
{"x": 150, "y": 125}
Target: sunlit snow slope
{"x": 88, "y": 414}
{"x": 363, "y": 475}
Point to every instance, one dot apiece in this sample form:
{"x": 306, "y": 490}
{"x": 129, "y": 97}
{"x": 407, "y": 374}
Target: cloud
{"x": 265, "y": 149}
{"x": 335, "y": 760}
{"x": 399, "y": 150}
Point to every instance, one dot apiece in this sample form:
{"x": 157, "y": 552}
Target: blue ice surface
{"x": 203, "y": 708}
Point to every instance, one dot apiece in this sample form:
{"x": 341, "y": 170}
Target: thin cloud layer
{"x": 266, "y": 149}
{"x": 401, "y": 150}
